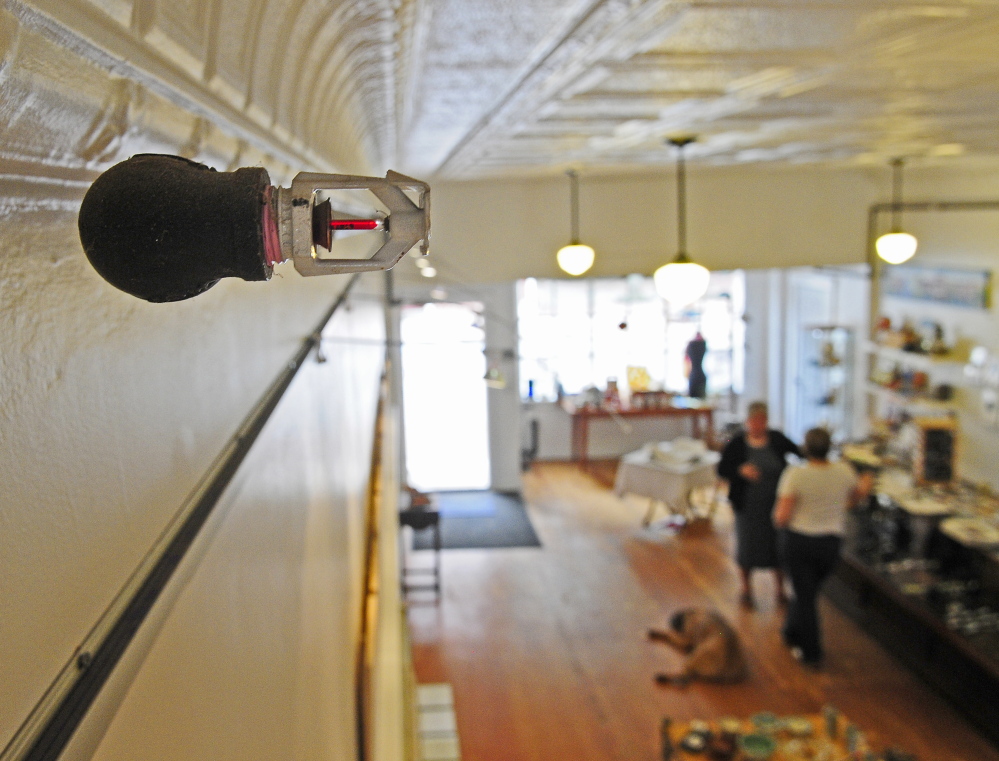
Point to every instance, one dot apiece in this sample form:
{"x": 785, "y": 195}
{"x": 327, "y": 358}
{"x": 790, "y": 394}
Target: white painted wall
{"x": 554, "y": 430}
{"x": 759, "y": 305}
{"x": 500, "y": 301}
{"x": 257, "y": 658}
{"x": 743, "y": 217}
{"x": 113, "y": 409}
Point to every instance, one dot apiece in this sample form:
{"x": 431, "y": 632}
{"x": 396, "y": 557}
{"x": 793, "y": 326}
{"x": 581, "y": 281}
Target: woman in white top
{"x": 812, "y": 501}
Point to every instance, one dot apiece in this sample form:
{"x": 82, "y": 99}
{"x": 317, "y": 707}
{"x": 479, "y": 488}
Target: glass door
{"x": 444, "y": 397}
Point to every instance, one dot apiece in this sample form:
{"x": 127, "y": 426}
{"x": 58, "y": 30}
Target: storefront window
{"x": 581, "y": 333}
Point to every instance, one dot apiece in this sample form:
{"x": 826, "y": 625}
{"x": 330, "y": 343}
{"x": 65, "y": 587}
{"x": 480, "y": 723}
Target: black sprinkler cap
{"x": 165, "y": 228}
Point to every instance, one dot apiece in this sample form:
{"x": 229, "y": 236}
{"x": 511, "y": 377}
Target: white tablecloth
{"x": 642, "y": 474}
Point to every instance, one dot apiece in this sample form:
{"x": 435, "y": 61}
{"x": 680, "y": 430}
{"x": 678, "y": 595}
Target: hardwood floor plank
{"x": 546, "y": 649}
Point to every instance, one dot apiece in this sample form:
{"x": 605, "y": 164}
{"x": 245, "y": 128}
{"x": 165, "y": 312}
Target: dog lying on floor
{"x": 712, "y": 645}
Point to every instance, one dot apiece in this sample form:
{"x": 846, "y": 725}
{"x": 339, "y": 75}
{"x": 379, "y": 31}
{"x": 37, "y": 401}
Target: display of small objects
{"x": 827, "y": 736}
{"x": 913, "y": 576}
{"x": 971, "y": 620}
{"x": 951, "y": 586}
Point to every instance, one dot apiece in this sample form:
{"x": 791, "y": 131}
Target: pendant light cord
{"x": 896, "y": 195}
{"x": 681, "y": 201}
{"x": 574, "y": 203}
{"x": 681, "y": 142}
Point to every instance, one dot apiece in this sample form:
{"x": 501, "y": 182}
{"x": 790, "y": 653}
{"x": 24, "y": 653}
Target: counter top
{"x": 963, "y": 502}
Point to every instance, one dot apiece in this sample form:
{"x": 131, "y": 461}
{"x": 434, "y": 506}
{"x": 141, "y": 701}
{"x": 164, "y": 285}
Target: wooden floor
{"x": 546, "y": 650}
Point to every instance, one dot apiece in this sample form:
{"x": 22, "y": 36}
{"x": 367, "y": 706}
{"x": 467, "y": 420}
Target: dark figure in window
{"x": 696, "y": 378}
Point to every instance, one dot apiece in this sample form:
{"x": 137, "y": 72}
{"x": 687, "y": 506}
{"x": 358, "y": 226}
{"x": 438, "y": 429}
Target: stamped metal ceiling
{"x": 521, "y": 86}
{"x": 478, "y": 88}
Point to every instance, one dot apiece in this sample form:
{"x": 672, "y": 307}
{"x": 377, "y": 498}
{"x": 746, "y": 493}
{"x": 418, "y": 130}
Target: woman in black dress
{"x": 752, "y": 464}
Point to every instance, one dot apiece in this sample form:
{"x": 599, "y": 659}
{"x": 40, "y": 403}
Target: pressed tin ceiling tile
{"x": 472, "y": 88}
{"x": 811, "y": 71}
{"x": 730, "y": 28}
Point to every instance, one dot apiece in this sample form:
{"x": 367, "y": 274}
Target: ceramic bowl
{"x": 798, "y": 726}
{"x": 757, "y": 747}
{"x": 730, "y": 725}
{"x": 765, "y": 721}
{"x": 694, "y": 742}
{"x": 699, "y": 726}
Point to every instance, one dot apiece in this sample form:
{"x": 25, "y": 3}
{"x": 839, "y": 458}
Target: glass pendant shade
{"x": 896, "y": 248}
{"x": 681, "y": 282}
{"x": 575, "y": 259}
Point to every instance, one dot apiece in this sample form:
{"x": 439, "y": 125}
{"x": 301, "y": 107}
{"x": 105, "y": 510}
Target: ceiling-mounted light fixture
{"x": 682, "y": 281}
{"x": 576, "y": 258}
{"x": 896, "y": 247}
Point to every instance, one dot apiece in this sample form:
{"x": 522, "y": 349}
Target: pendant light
{"x": 682, "y": 281}
{"x": 576, "y": 258}
{"x": 896, "y": 247}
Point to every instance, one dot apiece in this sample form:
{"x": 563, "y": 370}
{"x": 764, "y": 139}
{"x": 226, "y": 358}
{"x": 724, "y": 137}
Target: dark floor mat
{"x": 480, "y": 520}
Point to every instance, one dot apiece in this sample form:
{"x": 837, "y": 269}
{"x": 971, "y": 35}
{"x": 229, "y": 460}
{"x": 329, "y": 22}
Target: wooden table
{"x": 701, "y": 418}
{"x": 643, "y": 474}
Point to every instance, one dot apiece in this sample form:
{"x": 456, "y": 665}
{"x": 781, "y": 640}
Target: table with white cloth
{"x": 667, "y": 477}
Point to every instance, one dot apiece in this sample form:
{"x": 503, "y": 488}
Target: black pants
{"x": 807, "y": 560}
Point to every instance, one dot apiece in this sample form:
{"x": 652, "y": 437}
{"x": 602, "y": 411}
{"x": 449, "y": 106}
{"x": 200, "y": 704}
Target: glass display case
{"x": 926, "y": 587}
{"x": 825, "y": 380}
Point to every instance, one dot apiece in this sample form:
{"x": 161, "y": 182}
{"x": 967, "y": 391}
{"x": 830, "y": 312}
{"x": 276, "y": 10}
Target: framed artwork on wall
{"x": 963, "y": 288}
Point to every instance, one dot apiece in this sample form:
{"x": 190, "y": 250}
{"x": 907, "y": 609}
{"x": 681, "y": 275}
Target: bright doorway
{"x": 444, "y": 397}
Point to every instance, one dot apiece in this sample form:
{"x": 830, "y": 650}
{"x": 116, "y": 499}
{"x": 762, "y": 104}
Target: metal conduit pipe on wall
{"x": 51, "y": 724}
{"x": 876, "y": 209}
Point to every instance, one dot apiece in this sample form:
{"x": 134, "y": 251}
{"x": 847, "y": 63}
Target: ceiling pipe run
{"x": 875, "y": 263}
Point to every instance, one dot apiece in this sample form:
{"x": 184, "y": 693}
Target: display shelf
{"x": 947, "y": 368}
{"x": 914, "y": 403}
{"x": 921, "y": 377}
